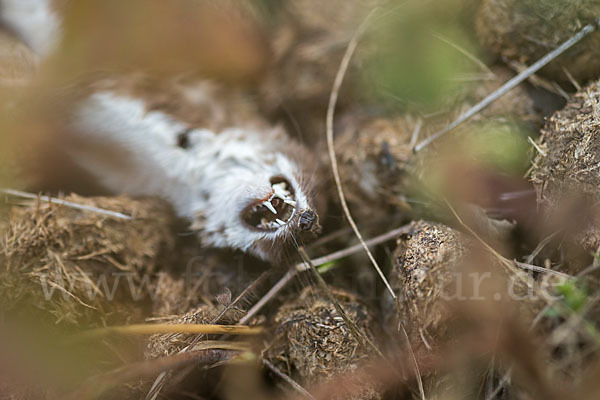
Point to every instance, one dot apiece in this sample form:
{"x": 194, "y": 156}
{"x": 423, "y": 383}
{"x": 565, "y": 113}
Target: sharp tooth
{"x": 280, "y": 222}
{"x": 290, "y": 202}
{"x": 280, "y": 191}
{"x": 279, "y": 186}
{"x": 270, "y": 207}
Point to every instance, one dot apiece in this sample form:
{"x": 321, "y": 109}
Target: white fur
{"x": 215, "y": 178}
{"x": 34, "y": 21}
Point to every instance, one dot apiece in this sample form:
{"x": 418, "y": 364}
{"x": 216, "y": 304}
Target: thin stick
{"x": 339, "y": 78}
{"x": 295, "y": 385}
{"x": 536, "y": 268}
{"x": 535, "y": 146}
{"x": 292, "y": 272}
{"x": 415, "y": 134}
{"x": 571, "y": 79}
{"x": 357, "y": 247}
{"x": 242, "y": 295}
{"x": 267, "y": 297}
{"x": 511, "y": 84}
{"x": 54, "y": 200}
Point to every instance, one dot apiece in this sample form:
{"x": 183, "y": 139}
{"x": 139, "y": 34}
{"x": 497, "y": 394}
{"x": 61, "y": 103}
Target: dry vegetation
{"x": 494, "y": 278}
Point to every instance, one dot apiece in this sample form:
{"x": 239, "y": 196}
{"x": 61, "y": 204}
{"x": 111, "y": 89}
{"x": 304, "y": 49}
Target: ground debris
{"x": 314, "y": 344}
{"x": 525, "y": 30}
{"x": 424, "y": 265}
{"x": 565, "y": 170}
{"x": 79, "y": 257}
{"x": 160, "y": 345}
{"x": 375, "y": 160}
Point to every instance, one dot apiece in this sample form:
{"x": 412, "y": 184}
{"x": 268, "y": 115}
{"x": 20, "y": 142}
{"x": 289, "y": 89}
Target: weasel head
{"x": 244, "y": 187}
{"x": 264, "y": 202}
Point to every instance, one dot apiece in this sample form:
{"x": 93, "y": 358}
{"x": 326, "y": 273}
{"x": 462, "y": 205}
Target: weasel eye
{"x": 183, "y": 139}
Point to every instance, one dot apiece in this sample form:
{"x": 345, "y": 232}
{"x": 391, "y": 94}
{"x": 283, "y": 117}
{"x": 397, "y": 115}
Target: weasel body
{"x": 241, "y": 182}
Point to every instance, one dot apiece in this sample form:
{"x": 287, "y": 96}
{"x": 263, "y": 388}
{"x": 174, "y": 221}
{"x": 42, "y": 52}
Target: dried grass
{"x": 49, "y": 247}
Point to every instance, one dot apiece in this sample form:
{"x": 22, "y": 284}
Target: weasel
{"x": 242, "y": 183}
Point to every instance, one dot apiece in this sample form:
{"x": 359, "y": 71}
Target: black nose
{"x": 307, "y": 219}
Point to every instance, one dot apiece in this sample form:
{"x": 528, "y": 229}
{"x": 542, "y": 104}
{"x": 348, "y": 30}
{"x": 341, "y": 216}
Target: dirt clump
{"x": 160, "y": 345}
{"x": 525, "y": 30}
{"x": 307, "y": 44}
{"x": 314, "y": 344}
{"x": 307, "y": 51}
{"x": 565, "y": 170}
{"x": 421, "y": 276}
{"x": 524, "y": 104}
{"x": 79, "y": 267}
{"x": 374, "y": 158}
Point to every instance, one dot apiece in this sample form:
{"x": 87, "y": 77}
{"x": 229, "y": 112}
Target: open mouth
{"x": 275, "y": 211}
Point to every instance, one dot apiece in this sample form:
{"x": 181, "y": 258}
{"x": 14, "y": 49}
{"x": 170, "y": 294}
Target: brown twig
{"x": 337, "y": 84}
{"x": 301, "y": 267}
{"x": 536, "y": 268}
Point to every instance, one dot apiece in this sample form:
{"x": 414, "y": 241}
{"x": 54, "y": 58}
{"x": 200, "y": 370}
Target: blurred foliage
{"x": 469, "y": 160}
{"x": 501, "y": 147}
{"x": 328, "y": 266}
{"x": 574, "y": 294}
{"x": 574, "y": 297}
{"x": 268, "y": 9}
{"x": 420, "y": 59}
{"x": 221, "y": 40}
